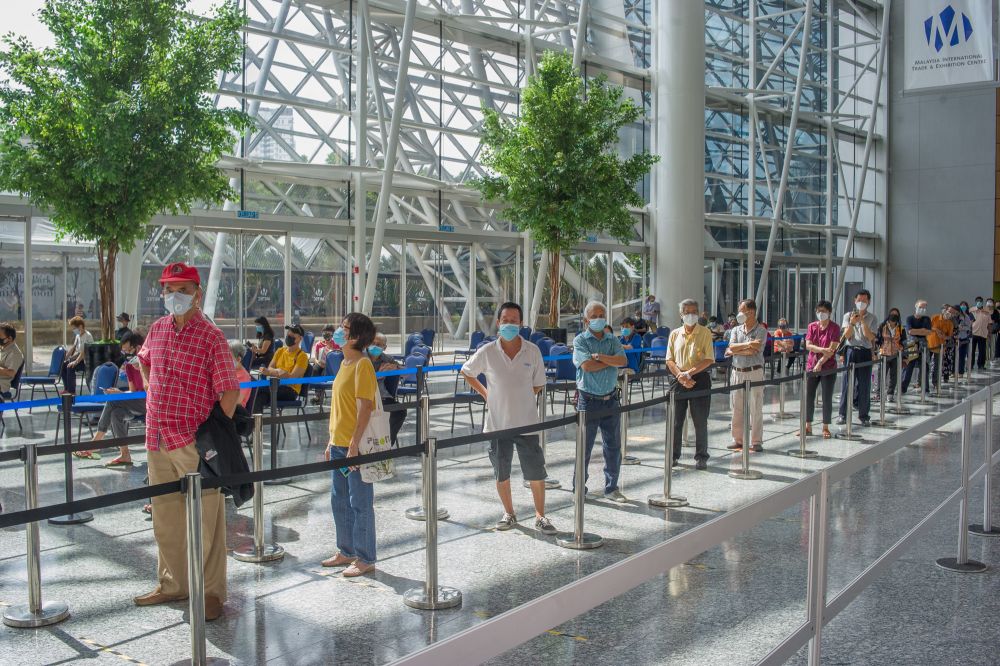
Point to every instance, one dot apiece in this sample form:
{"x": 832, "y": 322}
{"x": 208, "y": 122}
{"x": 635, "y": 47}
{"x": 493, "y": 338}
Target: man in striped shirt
{"x": 187, "y": 365}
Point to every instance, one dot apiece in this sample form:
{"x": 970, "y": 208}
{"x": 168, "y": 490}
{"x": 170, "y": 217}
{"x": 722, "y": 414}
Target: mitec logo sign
{"x": 944, "y": 29}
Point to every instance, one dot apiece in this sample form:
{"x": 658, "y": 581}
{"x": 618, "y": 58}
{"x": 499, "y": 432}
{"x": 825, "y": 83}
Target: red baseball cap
{"x": 180, "y": 272}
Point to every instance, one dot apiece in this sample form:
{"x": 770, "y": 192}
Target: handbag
{"x": 375, "y": 439}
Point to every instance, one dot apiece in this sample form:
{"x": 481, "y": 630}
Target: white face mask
{"x": 822, "y": 316}
{"x": 177, "y": 303}
{"x": 861, "y": 305}
{"x": 921, "y": 312}
{"x": 741, "y": 318}
{"x": 689, "y": 319}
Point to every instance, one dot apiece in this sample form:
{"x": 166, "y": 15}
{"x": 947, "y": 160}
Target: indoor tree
{"x": 556, "y": 167}
{"x": 115, "y": 122}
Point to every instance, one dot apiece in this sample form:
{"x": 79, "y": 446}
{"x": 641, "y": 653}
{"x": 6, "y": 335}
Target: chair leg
{"x": 18, "y": 417}
{"x": 454, "y": 408}
{"x": 302, "y": 411}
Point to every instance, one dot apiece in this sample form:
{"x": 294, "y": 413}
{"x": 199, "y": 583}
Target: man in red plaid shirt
{"x": 187, "y": 365}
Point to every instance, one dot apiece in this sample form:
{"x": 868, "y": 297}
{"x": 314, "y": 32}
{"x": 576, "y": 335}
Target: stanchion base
{"x": 587, "y": 541}
{"x": 851, "y": 438}
{"x": 22, "y": 617}
{"x": 799, "y": 453}
{"x": 979, "y": 531}
{"x": 781, "y": 416}
{"x": 665, "y": 502}
{"x": 417, "y": 513}
{"x": 269, "y": 553}
{"x": 749, "y": 475}
{"x": 898, "y": 411}
{"x": 72, "y": 519}
{"x": 209, "y": 661}
{"x": 631, "y": 460}
{"x": 446, "y": 597}
{"x": 884, "y": 424}
{"x": 277, "y": 482}
{"x": 970, "y": 566}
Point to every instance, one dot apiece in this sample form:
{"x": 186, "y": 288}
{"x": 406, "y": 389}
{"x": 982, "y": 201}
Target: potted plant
{"x": 115, "y": 122}
{"x": 556, "y": 167}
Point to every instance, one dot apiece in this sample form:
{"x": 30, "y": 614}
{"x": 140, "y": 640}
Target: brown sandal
{"x": 826, "y": 433}
{"x": 338, "y": 560}
{"x": 358, "y": 569}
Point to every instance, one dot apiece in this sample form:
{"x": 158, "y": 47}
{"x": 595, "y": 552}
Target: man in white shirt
{"x": 514, "y": 371}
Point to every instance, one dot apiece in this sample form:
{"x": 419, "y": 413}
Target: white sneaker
{"x": 543, "y": 525}
{"x": 506, "y": 522}
{"x": 616, "y": 496}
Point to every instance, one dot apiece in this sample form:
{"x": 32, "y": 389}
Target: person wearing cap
{"x": 289, "y": 362}
{"x": 187, "y": 367}
{"x": 125, "y": 321}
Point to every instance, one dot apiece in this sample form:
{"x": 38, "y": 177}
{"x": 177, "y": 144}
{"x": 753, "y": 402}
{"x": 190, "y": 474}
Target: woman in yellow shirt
{"x": 352, "y": 401}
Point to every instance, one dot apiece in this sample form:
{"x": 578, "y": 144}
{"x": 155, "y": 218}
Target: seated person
{"x": 630, "y": 339}
{"x": 641, "y": 326}
{"x": 242, "y": 376}
{"x": 263, "y": 350}
{"x": 117, "y": 415}
{"x": 288, "y": 362}
{"x": 11, "y": 359}
{"x": 74, "y": 355}
{"x": 387, "y": 385}
{"x": 317, "y": 359}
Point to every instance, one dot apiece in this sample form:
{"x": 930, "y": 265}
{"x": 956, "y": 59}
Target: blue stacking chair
{"x": 526, "y": 332}
{"x": 105, "y": 377}
{"x": 299, "y": 404}
{"x": 657, "y": 360}
{"x": 307, "y": 342}
{"x": 333, "y": 361}
{"x": 565, "y": 372}
{"x": 408, "y": 383}
{"x": 545, "y": 346}
{"x": 647, "y": 339}
{"x": 421, "y": 350}
{"x": 412, "y": 340}
{"x": 247, "y": 359}
{"x": 536, "y": 336}
{"x": 428, "y": 336}
{"x": 44, "y": 382}
{"x": 472, "y": 396}
{"x": 663, "y": 332}
{"x": 476, "y": 338}
{"x": 14, "y": 395}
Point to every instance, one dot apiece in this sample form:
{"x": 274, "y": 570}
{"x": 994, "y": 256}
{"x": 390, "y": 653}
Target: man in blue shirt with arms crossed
{"x": 597, "y": 357}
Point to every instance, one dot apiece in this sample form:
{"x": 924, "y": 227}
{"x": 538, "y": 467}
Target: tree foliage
{"x": 557, "y": 167}
{"x": 115, "y": 123}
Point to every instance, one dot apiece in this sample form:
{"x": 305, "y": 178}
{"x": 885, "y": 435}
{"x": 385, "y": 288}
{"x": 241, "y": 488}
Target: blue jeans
{"x": 610, "y": 426}
{"x": 353, "y": 503}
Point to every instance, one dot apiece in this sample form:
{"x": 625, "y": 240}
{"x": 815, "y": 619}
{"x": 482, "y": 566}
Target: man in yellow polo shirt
{"x": 289, "y": 362}
{"x": 689, "y": 356}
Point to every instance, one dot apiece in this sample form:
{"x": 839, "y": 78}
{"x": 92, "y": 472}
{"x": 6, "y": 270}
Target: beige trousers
{"x": 756, "y": 406}
{"x": 170, "y": 526}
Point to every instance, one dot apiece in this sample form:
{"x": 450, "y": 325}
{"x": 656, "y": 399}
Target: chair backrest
{"x": 105, "y": 377}
{"x": 55, "y": 364}
{"x": 536, "y": 336}
{"x": 475, "y": 339}
{"x": 421, "y": 350}
{"x": 278, "y": 344}
{"x": 558, "y": 349}
{"x": 526, "y": 332}
{"x": 247, "y": 359}
{"x": 304, "y": 393}
{"x": 333, "y": 361}
{"x": 413, "y": 361}
{"x": 15, "y": 383}
{"x": 647, "y": 340}
{"x": 428, "y": 335}
{"x": 663, "y": 332}
{"x": 307, "y": 342}
{"x": 720, "y": 350}
{"x": 658, "y": 342}
{"x": 545, "y": 345}
{"x": 412, "y": 340}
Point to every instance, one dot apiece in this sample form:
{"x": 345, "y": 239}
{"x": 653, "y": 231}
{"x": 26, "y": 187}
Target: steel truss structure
{"x": 368, "y": 115}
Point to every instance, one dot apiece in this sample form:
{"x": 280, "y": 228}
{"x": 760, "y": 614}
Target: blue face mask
{"x": 597, "y": 325}
{"x": 340, "y": 337}
{"x": 965, "y": 308}
{"x": 626, "y": 332}
{"x": 375, "y": 351}
{"x": 509, "y": 331}
{"x": 260, "y": 329}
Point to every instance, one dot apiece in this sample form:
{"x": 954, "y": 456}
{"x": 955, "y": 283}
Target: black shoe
{"x": 677, "y": 462}
{"x": 757, "y": 448}
{"x": 841, "y": 420}
{"x": 701, "y": 464}
{"x": 735, "y": 447}
{"x": 867, "y": 423}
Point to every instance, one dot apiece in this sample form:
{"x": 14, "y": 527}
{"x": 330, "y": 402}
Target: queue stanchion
{"x": 986, "y": 528}
{"x": 803, "y": 452}
{"x": 67, "y": 425}
{"x": 580, "y": 540}
{"x": 423, "y": 432}
{"x": 962, "y": 563}
{"x": 273, "y": 392}
{"x": 258, "y": 551}
{"x": 431, "y": 596}
{"x": 924, "y": 379}
{"x": 668, "y": 500}
{"x": 939, "y": 371}
{"x": 882, "y": 422}
{"x": 195, "y": 566}
{"x": 35, "y": 613}
{"x": 781, "y": 415}
{"x": 848, "y": 431}
{"x": 744, "y": 473}
{"x": 899, "y": 408}
{"x": 550, "y": 482}
{"x": 625, "y": 399}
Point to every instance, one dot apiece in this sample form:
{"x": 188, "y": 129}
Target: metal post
{"x": 986, "y": 527}
{"x": 196, "y": 567}
{"x": 668, "y": 500}
{"x": 431, "y": 596}
{"x": 423, "y": 433}
{"x": 745, "y": 473}
{"x": 962, "y": 563}
{"x": 623, "y": 387}
{"x": 67, "y": 425}
{"x": 847, "y": 432}
{"x": 34, "y": 613}
{"x": 273, "y": 388}
{"x": 816, "y": 576}
{"x": 803, "y": 452}
{"x": 781, "y": 415}
{"x": 258, "y": 551}
{"x": 580, "y": 540}
{"x": 923, "y": 375}
{"x": 940, "y": 372}
{"x": 899, "y": 407}
{"x": 549, "y": 481}
{"x": 882, "y": 422}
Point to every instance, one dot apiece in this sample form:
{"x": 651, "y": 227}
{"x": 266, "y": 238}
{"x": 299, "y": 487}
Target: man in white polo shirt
{"x": 514, "y": 374}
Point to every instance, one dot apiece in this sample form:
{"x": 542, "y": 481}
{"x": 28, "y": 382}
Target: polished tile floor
{"x": 730, "y": 605}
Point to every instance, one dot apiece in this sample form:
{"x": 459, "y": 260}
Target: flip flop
{"x": 84, "y": 455}
{"x": 118, "y": 462}
{"x": 827, "y": 434}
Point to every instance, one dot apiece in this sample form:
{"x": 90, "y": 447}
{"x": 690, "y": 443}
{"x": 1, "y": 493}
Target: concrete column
{"x": 679, "y": 139}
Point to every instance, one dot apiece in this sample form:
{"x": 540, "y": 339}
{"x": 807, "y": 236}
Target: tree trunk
{"x": 107, "y": 257}
{"x": 555, "y": 281}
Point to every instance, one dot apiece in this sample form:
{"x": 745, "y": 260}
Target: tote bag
{"x": 375, "y": 439}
